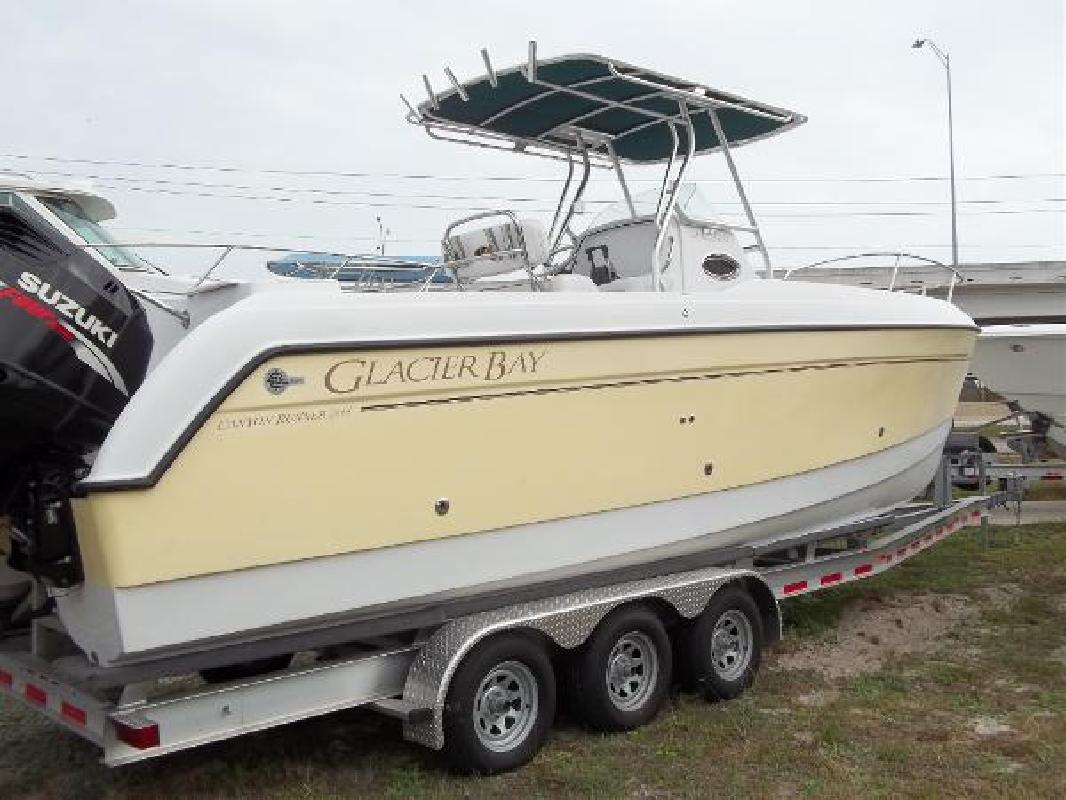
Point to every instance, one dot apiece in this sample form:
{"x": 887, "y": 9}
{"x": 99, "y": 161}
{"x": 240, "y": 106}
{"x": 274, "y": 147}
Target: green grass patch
{"x": 1046, "y": 490}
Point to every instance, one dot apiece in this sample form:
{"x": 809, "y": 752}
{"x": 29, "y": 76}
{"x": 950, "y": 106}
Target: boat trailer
{"x": 410, "y": 677}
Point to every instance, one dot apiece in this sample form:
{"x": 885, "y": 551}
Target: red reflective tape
{"x": 792, "y": 588}
{"x": 832, "y": 577}
{"x": 1053, "y": 476}
{"x": 864, "y": 569}
{"x": 885, "y": 557}
{"x": 975, "y": 515}
{"x": 73, "y": 713}
{"x": 901, "y": 553}
{"x": 36, "y": 695}
{"x": 6, "y": 679}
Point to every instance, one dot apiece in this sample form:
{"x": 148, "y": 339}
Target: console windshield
{"x": 74, "y": 216}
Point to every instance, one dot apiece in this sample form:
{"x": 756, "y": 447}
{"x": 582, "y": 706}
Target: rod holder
{"x": 489, "y": 69}
{"x": 456, "y": 85}
{"x": 411, "y": 108}
{"x": 531, "y": 67}
{"x": 429, "y": 91}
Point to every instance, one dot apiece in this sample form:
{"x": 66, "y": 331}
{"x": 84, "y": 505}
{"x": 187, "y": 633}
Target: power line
{"x": 437, "y": 241}
{"x": 523, "y": 179}
{"x": 490, "y": 198}
{"x": 437, "y": 207}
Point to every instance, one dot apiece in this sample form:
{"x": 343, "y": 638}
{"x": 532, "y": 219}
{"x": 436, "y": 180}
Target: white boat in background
{"x": 364, "y": 273}
{"x": 1021, "y": 308}
{"x": 1003, "y": 293}
{"x": 277, "y": 469}
{"x": 1027, "y": 363}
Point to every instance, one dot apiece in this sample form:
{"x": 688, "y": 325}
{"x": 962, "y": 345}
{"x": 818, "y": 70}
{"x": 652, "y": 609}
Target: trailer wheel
{"x": 621, "y": 675}
{"x": 246, "y": 669}
{"x": 720, "y": 652}
{"x": 500, "y": 705}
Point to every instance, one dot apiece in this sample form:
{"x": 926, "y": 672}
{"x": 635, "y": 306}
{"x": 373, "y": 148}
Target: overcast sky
{"x": 314, "y": 85}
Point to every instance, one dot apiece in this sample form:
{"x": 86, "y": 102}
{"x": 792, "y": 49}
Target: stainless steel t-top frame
{"x": 459, "y": 115}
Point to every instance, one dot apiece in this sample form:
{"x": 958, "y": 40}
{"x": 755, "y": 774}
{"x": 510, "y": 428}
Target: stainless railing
{"x": 897, "y": 268}
{"x": 371, "y": 277}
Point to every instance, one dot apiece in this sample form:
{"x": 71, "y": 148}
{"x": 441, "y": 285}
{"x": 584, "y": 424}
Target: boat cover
{"x": 602, "y": 100}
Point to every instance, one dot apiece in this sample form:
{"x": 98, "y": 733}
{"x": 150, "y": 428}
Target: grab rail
{"x": 197, "y": 281}
{"x": 896, "y": 267}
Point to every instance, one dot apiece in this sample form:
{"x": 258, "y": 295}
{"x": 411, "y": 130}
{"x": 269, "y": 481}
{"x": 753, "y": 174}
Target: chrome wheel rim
{"x": 632, "y": 671}
{"x": 505, "y": 706}
{"x": 731, "y": 645}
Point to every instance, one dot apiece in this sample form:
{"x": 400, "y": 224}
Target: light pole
{"x": 945, "y": 59}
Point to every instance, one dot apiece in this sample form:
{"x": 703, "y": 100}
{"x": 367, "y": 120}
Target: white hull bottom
{"x": 120, "y": 625}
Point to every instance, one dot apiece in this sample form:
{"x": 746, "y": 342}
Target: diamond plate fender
{"x": 567, "y": 620}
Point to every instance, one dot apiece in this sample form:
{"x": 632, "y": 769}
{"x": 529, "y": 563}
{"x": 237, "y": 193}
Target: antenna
{"x": 383, "y": 235}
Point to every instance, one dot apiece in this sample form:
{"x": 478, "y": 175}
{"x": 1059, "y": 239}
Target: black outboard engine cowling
{"x": 74, "y": 346}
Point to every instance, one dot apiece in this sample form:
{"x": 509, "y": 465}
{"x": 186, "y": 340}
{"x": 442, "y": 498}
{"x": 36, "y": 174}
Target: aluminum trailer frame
{"x": 410, "y": 679}
{"x": 981, "y": 468}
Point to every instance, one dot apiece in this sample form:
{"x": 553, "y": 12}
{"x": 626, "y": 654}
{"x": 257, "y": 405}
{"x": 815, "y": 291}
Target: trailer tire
{"x": 246, "y": 669}
{"x": 620, "y": 677}
{"x": 720, "y": 651}
{"x": 500, "y": 705}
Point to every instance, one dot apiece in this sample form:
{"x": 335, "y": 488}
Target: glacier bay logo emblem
{"x": 278, "y": 380}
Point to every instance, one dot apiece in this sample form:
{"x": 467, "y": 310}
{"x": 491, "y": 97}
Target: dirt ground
{"x": 873, "y": 631}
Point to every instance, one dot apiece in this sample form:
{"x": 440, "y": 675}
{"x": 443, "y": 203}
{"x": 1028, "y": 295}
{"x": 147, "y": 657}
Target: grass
{"x": 1046, "y": 490}
{"x": 907, "y": 730}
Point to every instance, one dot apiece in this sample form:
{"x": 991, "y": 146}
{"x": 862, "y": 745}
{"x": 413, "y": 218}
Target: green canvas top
{"x": 601, "y": 101}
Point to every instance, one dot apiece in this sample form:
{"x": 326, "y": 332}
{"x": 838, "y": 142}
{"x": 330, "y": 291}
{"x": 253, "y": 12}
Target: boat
{"x": 1021, "y": 307}
{"x": 1027, "y": 364}
{"x": 309, "y": 467}
{"x": 993, "y": 293}
{"x": 370, "y": 272}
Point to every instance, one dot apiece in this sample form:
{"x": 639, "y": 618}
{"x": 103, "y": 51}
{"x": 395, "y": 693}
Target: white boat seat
{"x": 496, "y": 249}
{"x": 616, "y": 251}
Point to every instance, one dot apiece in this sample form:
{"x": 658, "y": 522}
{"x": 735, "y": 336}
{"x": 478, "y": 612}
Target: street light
{"x": 945, "y": 59}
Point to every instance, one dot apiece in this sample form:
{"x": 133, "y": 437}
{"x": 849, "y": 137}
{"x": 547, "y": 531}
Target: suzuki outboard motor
{"x": 74, "y": 345}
